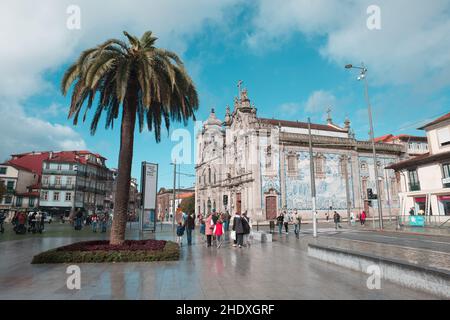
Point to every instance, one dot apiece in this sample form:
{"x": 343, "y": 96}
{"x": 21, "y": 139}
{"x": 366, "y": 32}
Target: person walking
{"x": 352, "y": 218}
{"x": 202, "y": 227}
{"x": 103, "y": 222}
{"x": 247, "y": 229}
{"x": 209, "y": 227}
{"x": 78, "y": 219}
{"x": 287, "y": 220}
{"x": 218, "y": 232}
{"x": 94, "y": 220}
{"x": 239, "y": 229}
{"x": 280, "y": 220}
{"x": 180, "y": 233}
{"x": 337, "y": 220}
{"x": 297, "y": 224}
{"x": 190, "y": 226}
{"x": 327, "y": 216}
{"x": 2, "y": 220}
{"x": 363, "y": 217}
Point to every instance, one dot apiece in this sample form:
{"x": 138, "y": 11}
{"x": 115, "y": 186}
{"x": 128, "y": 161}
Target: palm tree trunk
{"x": 124, "y": 169}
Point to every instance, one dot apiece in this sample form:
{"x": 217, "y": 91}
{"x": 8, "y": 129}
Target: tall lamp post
{"x": 362, "y": 76}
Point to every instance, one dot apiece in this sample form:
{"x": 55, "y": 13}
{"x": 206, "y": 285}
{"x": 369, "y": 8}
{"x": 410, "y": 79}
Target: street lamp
{"x": 362, "y": 76}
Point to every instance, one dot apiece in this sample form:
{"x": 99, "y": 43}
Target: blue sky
{"x": 290, "y": 55}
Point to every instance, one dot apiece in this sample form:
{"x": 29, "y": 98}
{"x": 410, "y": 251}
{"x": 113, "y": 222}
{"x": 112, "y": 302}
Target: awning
{"x": 444, "y": 198}
{"x": 421, "y": 199}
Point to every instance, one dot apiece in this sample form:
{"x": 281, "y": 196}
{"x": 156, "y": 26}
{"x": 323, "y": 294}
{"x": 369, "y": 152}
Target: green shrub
{"x": 171, "y": 252}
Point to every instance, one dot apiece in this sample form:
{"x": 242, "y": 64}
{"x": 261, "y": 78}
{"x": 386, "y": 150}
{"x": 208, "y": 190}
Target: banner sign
{"x": 417, "y": 221}
{"x": 149, "y": 185}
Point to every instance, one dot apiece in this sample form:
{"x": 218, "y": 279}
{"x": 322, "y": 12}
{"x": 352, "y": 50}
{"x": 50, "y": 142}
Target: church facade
{"x": 262, "y": 166}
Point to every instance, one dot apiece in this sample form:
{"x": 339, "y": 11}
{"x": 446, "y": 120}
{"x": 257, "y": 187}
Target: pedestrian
{"x": 327, "y": 216}
{"x": 2, "y": 220}
{"x": 209, "y": 227}
{"x": 352, "y": 218}
{"x": 94, "y": 220}
{"x": 38, "y": 222}
{"x": 411, "y": 211}
{"x": 103, "y": 222}
{"x": 363, "y": 217}
{"x": 202, "y": 227}
{"x": 226, "y": 221}
{"x": 218, "y": 232}
{"x": 239, "y": 229}
{"x": 280, "y": 219}
{"x": 180, "y": 233}
{"x": 21, "y": 221}
{"x": 247, "y": 229}
{"x": 189, "y": 226}
{"x": 287, "y": 220}
{"x": 337, "y": 220}
{"x": 297, "y": 224}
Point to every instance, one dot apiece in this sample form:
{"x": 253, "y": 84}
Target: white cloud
{"x": 320, "y": 101}
{"x": 411, "y": 47}
{"x": 289, "y": 109}
{"x": 36, "y": 40}
{"x": 22, "y": 133}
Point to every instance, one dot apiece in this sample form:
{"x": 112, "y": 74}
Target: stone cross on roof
{"x": 329, "y": 119}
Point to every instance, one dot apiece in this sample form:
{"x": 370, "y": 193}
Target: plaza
{"x": 281, "y": 269}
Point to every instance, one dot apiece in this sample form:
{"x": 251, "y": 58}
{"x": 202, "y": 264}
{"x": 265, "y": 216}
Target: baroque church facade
{"x": 262, "y": 166}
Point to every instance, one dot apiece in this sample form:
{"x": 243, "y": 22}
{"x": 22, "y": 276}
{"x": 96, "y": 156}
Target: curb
{"x": 424, "y": 278}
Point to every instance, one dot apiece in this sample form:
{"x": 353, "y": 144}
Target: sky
{"x": 290, "y": 55}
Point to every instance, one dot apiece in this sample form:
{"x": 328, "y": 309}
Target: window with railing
{"x": 446, "y": 175}
{"x": 10, "y": 186}
{"x": 414, "y": 184}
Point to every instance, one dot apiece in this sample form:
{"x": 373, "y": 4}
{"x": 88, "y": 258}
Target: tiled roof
{"x": 29, "y": 161}
{"x": 419, "y": 160}
{"x": 401, "y": 137}
{"x": 438, "y": 120}
{"x": 303, "y": 125}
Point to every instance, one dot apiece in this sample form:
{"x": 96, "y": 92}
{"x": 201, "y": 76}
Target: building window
{"x": 209, "y": 175}
{"x": 56, "y": 196}
{"x": 58, "y": 180}
{"x": 19, "y": 201}
{"x": 363, "y": 166}
{"x": 3, "y": 170}
{"x": 45, "y": 180}
{"x": 69, "y": 181}
{"x": 446, "y": 174}
{"x": 10, "y": 186}
{"x": 44, "y": 195}
{"x": 394, "y": 190}
{"x": 413, "y": 177}
{"x": 8, "y": 200}
{"x": 269, "y": 157}
{"x": 59, "y": 167}
{"x": 292, "y": 164}
{"x": 47, "y": 165}
{"x": 70, "y": 167}
{"x": 31, "y": 202}
{"x": 444, "y": 136}
{"x": 319, "y": 166}
{"x": 215, "y": 181}
{"x": 68, "y": 196}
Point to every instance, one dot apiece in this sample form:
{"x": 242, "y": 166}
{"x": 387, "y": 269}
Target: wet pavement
{"x": 277, "y": 270}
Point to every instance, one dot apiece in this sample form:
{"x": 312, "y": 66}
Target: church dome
{"x": 212, "y": 119}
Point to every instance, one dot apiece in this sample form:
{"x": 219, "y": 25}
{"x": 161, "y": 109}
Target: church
{"x": 262, "y": 166}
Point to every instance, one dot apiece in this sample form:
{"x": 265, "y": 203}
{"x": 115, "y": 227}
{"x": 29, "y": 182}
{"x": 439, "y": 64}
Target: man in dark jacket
{"x": 190, "y": 226}
{"x": 238, "y": 227}
{"x": 337, "y": 220}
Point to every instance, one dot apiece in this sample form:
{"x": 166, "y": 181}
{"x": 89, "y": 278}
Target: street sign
{"x": 149, "y": 185}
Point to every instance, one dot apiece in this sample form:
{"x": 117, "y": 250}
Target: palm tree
{"x": 142, "y": 81}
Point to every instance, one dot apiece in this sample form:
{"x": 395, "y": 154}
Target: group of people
{"x": 96, "y": 220}
{"x": 286, "y": 218}
{"x": 24, "y": 222}
{"x": 215, "y": 227}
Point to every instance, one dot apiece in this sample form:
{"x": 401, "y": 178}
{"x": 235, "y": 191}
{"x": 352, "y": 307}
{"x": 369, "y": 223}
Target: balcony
{"x": 414, "y": 186}
{"x": 59, "y": 172}
{"x": 55, "y": 186}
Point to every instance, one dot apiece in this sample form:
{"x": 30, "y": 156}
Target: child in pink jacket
{"x": 218, "y": 232}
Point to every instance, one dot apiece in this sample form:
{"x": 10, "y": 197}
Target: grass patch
{"x": 102, "y": 251}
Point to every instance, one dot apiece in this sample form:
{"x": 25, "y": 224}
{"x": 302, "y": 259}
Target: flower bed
{"x": 102, "y": 251}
